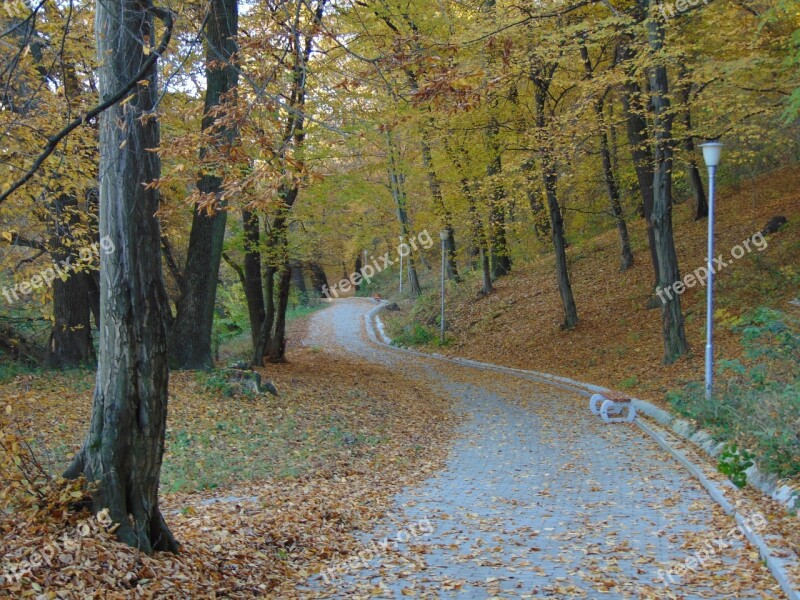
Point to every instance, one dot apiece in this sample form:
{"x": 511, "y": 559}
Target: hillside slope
{"x": 618, "y": 340}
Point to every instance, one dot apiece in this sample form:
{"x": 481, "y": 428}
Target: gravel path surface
{"x": 538, "y": 499}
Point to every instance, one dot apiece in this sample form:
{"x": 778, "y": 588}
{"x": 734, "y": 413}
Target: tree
{"x": 123, "y": 450}
{"x": 190, "y": 338}
{"x": 609, "y": 176}
{"x": 675, "y": 344}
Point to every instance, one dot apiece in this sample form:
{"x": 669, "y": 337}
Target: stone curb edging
{"x": 681, "y": 428}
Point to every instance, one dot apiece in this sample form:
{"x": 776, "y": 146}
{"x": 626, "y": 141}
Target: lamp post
{"x": 443, "y": 235}
{"x": 712, "y": 153}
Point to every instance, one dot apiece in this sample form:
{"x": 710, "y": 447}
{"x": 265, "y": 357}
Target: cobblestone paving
{"x": 538, "y": 499}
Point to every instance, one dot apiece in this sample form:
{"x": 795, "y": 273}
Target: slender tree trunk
{"x": 397, "y": 187}
{"x": 190, "y": 338}
{"x": 478, "y": 233}
{"x": 695, "y": 180}
{"x": 626, "y": 261}
{"x": 560, "y": 246}
{"x": 541, "y": 221}
{"x": 124, "y": 448}
{"x": 541, "y": 76}
{"x": 276, "y": 348}
{"x": 435, "y": 187}
{"x": 264, "y": 337}
{"x": 675, "y": 344}
{"x": 501, "y": 261}
{"x": 253, "y": 283}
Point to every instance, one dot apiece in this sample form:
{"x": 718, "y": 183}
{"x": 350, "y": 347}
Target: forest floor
{"x": 618, "y": 342}
{"x": 260, "y": 491}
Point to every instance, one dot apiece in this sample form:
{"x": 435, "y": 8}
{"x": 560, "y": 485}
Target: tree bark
{"x": 695, "y": 180}
{"x": 675, "y": 344}
{"x": 435, "y": 187}
{"x": 560, "y": 247}
{"x": 71, "y": 335}
{"x": 70, "y": 343}
{"x": 276, "y": 347}
{"x": 190, "y": 338}
{"x": 253, "y": 282}
{"x": 124, "y": 448}
{"x": 641, "y": 152}
{"x": 541, "y": 76}
{"x": 541, "y": 221}
{"x": 501, "y": 261}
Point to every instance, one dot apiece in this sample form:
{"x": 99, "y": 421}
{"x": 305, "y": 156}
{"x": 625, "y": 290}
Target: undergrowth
{"x": 756, "y": 404}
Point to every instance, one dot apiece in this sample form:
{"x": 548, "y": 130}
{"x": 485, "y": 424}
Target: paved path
{"x": 538, "y": 499}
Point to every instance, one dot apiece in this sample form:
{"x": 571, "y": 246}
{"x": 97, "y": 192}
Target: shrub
{"x": 756, "y": 404}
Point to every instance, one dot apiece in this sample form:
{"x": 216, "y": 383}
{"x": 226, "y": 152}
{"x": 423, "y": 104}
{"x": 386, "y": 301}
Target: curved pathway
{"x": 538, "y": 499}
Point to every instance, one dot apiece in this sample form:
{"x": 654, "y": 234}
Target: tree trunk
{"x": 501, "y": 261}
{"x": 413, "y": 279}
{"x": 70, "y": 343}
{"x": 124, "y": 448}
{"x": 626, "y": 260}
{"x": 641, "y": 152}
{"x": 695, "y": 180}
{"x": 253, "y": 283}
{"x": 478, "y": 233}
{"x": 541, "y": 76}
{"x": 264, "y": 337}
{"x": 560, "y": 246}
{"x": 276, "y": 347}
{"x": 190, "y": 338}
{"x": 71, "y": 336}
{"x": 541, "y": 221}
{"x": 319, "y": 280}
{"x": 299, "y": 281}
{"x": 675, "y": 344}
{"x": 397, "y": 187}
{"x": 435, "y": 187}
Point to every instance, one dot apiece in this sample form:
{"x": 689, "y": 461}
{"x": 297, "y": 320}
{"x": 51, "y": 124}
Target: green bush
{"x": 756, "y": 404}
{"x": 415, "y": 334}
{"x": 734, "y": 463}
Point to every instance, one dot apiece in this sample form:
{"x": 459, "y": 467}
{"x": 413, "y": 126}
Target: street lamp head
{"x": 443, "y": 235}
{"x": 712, "y": 153}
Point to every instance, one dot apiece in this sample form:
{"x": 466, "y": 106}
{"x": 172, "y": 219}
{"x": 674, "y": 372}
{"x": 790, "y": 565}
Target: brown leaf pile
{"x": 345, "y": 437}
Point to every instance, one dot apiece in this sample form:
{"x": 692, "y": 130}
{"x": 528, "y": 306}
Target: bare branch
{"x": 55, "y": 140}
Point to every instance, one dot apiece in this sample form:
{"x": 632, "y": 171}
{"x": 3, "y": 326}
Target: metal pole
{"x": 443, "y": 269}
{"x": 712, "y": 173}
